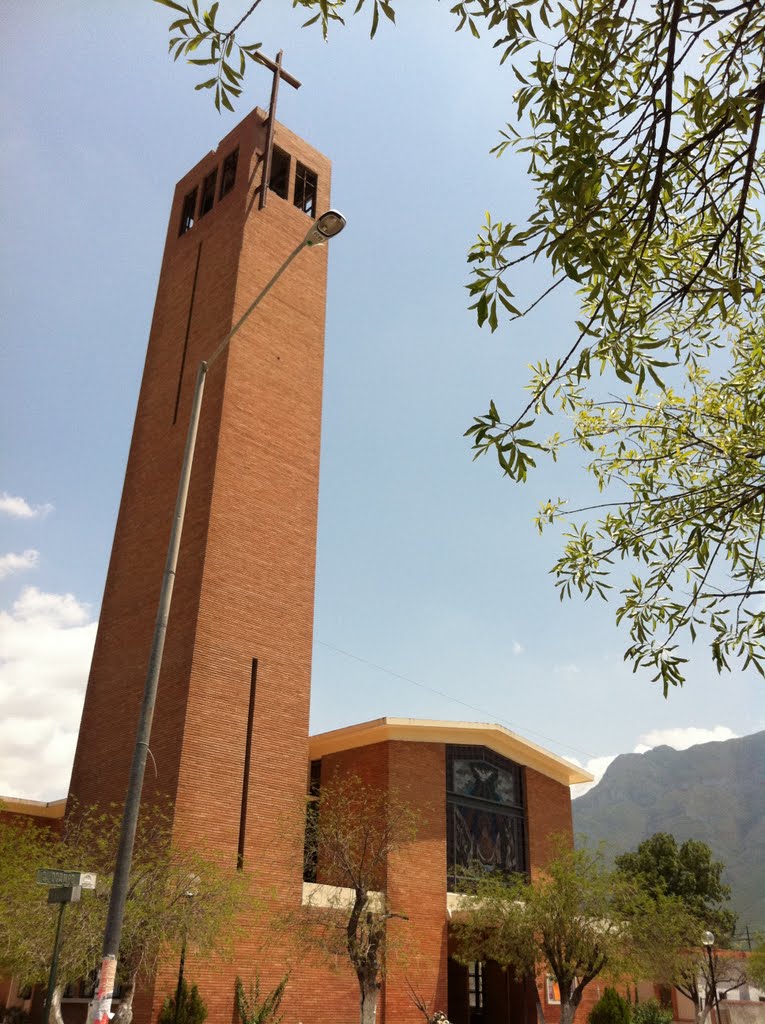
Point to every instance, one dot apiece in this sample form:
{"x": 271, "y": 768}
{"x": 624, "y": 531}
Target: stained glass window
{"x": 485, "y": 813}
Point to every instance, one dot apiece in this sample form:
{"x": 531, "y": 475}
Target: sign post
{"x": 63, "y": 887}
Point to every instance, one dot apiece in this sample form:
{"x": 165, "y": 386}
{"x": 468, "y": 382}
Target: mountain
{"x": 714, "y": 792}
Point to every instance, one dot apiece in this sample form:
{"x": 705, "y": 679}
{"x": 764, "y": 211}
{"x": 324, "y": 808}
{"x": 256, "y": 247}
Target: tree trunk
{"x": 567, "y": 1012}
{"x": 702, "y": 1013}
{"x": 54, "y": 1016}
{"x": 368, "y": 1001}
{"x": 538, "y": 1002}
{"x": 124, "y": 1014}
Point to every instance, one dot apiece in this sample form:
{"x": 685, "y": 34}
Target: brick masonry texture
{"x": 245, "y": 581}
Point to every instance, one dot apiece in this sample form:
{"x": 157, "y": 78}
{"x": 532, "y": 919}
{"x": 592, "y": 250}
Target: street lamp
{"x": 325, "y": 227}
{"x": 708, "y": 941}
{"x": 189, "y": 894}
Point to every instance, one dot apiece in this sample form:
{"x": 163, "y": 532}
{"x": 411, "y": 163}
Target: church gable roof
{"x": 416, "y": 730}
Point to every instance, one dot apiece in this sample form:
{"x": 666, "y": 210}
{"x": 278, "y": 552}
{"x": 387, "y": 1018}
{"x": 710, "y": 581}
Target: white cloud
{"x": 19, "y": 508}
{"x": 567, "y": 670}
{"x": 11, "y": 562}
{"x": 680, "y": 739}
{"x": 518, "y": 648}
{"x": 596, "y": 766}
{"x": 46, "y": 643}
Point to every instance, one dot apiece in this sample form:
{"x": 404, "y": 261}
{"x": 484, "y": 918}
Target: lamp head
{"x": 707, "y": 939}
{"x": 325, "y": 227}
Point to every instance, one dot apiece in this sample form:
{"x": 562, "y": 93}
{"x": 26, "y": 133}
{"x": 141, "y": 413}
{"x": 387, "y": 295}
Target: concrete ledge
{"x": 335, "y": 897}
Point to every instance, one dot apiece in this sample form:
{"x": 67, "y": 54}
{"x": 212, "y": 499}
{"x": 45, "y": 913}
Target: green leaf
{"x": 173, "y": 5}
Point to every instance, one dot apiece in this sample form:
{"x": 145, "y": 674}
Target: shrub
{"x": 611, "y": 1008}
{"x": 650, "y": 1012}
{"x": 192, "y": 1008}
{"x": 14, "y": 1015}
{"x": 254, "y": 1008}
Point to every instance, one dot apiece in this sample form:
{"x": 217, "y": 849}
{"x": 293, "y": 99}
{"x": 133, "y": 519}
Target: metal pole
{"x": 715, "y": 999}
{"x": 179, "y": 989}
{"x": 53, "y": 965}
{"x": 100, "y": 1008}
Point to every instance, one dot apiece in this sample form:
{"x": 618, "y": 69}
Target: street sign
{"x": 65, "y": 894}
{"x": 53, "y": 877}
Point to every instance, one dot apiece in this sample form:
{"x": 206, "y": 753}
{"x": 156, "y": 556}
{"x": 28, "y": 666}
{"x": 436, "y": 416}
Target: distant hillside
{"x": 714, "y": 792}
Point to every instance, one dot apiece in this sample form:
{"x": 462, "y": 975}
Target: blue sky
{"x": 431, "y": 577}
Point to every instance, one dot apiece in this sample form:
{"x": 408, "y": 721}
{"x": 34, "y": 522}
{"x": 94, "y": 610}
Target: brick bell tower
{"x": 230, "y": 735}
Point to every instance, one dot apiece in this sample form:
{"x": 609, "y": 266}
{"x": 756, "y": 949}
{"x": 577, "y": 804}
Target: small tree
{"x": 175, "y": 896}
{"x": 702, "y": 976}
{"x": 252, "y": 1008}
{"x": 755, "y": 968}
{"x": 662, "y": 867}
{"x": 577, "y": 921}
{"x": 611, "y": 1008}
{"x": 192, "y": 1008}
{"x": 650, "y": 1012}
{"x": 352, "y": 829}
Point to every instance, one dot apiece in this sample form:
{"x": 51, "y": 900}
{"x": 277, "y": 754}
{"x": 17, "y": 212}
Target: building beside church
{"x": 230, "y": 744}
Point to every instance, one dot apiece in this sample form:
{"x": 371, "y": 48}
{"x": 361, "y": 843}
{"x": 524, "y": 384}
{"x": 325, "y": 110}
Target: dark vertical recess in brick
{"x": 247, "y": 759}
{"x": 188, "y": 330}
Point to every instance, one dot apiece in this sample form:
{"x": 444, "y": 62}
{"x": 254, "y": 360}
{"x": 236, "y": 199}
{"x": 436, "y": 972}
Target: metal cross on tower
{"x": 275, "y": 67}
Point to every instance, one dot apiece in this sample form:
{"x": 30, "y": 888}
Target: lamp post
{"x": 325, "y": 227}
{"x": 708, "y": 941}
{"x": 189, "y": 894}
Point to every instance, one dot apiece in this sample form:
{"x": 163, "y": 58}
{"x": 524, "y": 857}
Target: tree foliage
{"x": 704, "y": 976}
{"x": 611, "y": 1008}
{"x": 756, "y": 965}
{"x": 353, "y": 828}
{"x": 254, "y": 1007}
{"x": 192, "y": 1008}
{"x": 641, "y": 124}
{"x": 687, "y": 872}
{"x": 577, "y": 921}
{"x": 650, "y": 1012}
{"x": 175, "y": 895}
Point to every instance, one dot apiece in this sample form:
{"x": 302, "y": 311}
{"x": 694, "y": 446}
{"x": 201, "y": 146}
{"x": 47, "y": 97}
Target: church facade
{"x": 230, "y": 740}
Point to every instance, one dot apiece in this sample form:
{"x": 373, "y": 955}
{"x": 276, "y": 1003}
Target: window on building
{"x": 475, "y": 987}
{"x": 552, "y": 990}
{"x": 306, "y": 184}
{"x": 228, "y": 177}
{"x": 187, "y": 212}
{"x": 208, "y": 193}
{"x": 279, "y": 182}
{"x": 485, "y": 823}
{"x": 664, "y": 996}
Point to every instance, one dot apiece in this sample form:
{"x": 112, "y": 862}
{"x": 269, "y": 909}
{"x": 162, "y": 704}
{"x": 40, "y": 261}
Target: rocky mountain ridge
{"x": 713, "y": 791}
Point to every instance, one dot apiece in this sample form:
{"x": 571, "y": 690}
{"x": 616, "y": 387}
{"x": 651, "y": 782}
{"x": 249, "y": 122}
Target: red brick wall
{"x": 417, "y": 884}
{"x": 245, "y": 579}
{"x": 548, "y": 814}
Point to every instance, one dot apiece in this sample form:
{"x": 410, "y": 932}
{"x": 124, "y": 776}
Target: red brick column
{"x": 417, "y": 885}
{"x": 548, "y": 814}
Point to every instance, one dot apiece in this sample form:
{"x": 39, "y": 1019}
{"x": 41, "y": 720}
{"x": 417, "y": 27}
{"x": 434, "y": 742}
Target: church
{"x": 230, "y": 742}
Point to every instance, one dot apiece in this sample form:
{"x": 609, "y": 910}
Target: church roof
{"x": 423, "y": 730}
{"x": 36, "y": 808}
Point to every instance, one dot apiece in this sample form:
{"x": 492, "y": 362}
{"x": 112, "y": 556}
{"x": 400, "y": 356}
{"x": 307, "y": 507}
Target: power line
{"x": 441, "y": 693}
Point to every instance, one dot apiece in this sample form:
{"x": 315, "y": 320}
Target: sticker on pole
{"x": 101, "y": 1006}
